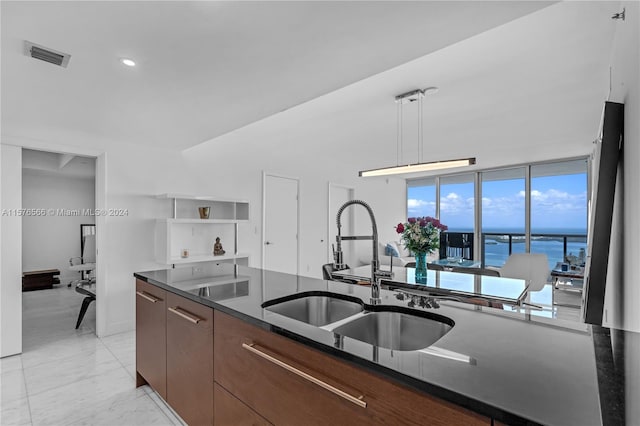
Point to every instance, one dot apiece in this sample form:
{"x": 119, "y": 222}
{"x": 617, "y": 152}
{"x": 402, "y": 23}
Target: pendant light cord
{"x": 399, "y": 153}
{"x": 420, "y": 139}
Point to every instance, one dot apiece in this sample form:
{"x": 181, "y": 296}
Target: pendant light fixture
{"x": 415, "y": 96}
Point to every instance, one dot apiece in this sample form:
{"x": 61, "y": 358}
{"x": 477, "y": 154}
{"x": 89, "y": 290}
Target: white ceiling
{"x": 529, "y": 90}
{"x": 208, "y": 68}
{"x": 55, "y": 164}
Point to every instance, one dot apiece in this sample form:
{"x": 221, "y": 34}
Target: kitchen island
{"x": 493, "y": 366}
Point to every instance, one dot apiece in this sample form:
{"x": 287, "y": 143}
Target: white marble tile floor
{"x": 71, "y": 377}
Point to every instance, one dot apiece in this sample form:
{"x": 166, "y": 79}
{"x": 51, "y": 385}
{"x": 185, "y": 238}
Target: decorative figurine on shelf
{"x": 217, "y": 248}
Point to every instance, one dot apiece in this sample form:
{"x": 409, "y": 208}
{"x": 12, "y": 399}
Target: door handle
{"x": 266, "y": 243}
{"x": 185, "y": 314}
{"x": 147, "y": 296}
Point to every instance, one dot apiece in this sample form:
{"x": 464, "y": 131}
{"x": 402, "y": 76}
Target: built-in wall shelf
{"x": 200, "y": 221}
{"x": 205, "y": 258}
{"x": 186, "y": 238}
{"x": 186, "y": 207}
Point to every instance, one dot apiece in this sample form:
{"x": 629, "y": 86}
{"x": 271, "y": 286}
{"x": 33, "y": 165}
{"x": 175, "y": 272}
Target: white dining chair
{"x": 531, "y": 267}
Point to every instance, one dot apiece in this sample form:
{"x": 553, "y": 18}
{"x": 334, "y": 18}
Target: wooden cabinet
{"x": 212, "y": 368}
{"x": 151, "y": 343}
{"x": 190, "y": 360}
{"x": 289, "y": 383}
{"x": 174, "y": 351}
{"x": 229, "y": 410}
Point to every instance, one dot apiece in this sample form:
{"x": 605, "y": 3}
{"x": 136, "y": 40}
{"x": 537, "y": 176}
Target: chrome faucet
{"x": 376, "y": 273}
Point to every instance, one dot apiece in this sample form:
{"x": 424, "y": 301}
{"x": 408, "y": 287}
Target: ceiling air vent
{"x": 46, "y": 54}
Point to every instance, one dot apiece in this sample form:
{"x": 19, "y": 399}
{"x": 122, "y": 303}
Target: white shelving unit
{"x": 186, "y": 231}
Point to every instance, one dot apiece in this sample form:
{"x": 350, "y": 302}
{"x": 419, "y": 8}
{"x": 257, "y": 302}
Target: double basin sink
{"x": 391, "y": 327}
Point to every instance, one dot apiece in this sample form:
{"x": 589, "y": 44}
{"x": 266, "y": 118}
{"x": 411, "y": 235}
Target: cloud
{"x": 412, "y": 203}
{"x": 452, "y": 203}
{"x": 417, "y": 207}
{"x": 545, "y": 205}
{"x": 555, "y": 200}
{"x": 510, "y": 205}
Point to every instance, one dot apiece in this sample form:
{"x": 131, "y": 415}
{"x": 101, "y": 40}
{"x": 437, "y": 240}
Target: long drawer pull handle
{"x": 146, "y": 296}
{"x": 356, "y": 400}
{"x": 191, "y": 318}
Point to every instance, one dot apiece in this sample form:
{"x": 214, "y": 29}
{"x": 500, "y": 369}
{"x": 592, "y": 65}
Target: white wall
{"x": 49, "y": 241}
{"x": 623, "y": 291}
{"x": 133, "y": 175}
{"x": 232, "y": 166}
{"x": 11, "y": 257}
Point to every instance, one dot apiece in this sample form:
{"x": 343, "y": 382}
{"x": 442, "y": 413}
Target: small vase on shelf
{"x": 421, "y": 268}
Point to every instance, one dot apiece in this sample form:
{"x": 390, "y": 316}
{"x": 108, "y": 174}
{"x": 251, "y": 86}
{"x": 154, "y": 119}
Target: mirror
{"x": 88, "y": 243}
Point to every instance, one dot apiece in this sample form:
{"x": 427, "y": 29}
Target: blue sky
{"x": 557, "y": 202}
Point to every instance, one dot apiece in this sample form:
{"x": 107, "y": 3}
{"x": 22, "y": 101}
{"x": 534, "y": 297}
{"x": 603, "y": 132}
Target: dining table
{"x": 474, "y": 287}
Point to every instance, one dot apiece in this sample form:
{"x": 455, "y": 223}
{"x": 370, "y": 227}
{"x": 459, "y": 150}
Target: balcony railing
{"x": 497, "y": 247}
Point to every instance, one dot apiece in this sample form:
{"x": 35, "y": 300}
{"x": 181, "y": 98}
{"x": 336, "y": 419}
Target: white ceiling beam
{"x": 64, "y": 159}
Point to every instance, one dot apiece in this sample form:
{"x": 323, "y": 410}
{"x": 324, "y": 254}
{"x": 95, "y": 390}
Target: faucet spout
{"x": 376, "y": 273}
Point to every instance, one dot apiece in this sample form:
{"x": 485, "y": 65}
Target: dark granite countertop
{"x": 509, "y": 365}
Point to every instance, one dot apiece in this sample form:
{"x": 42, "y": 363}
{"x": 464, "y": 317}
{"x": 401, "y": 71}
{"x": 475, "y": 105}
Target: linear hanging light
{"x": 412, "y": 96}
{"x": 418, "y": 167}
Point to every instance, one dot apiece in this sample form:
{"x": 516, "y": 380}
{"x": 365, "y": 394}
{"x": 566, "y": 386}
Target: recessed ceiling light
{"x": 128, "y": 62}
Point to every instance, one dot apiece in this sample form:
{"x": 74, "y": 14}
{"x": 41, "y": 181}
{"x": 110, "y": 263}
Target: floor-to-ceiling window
{"x": 557, "y": 195}
{"x": 559, "y": 211}
{"x": 457, "y": 202}
{"x": 503, "y": 214}
{"x": 421, "y": 198}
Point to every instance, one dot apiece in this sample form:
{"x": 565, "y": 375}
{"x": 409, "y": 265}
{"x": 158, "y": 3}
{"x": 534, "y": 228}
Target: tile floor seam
{"x": 75, "y": 381}
{"x": 115, "y": 356}
{"x": 26, "y": 388}
{"x": 165, "y": 406}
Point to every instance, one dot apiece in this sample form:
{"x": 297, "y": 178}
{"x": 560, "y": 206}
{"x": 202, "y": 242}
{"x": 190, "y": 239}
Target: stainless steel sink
{"x": 316, "y": 308}
{"x": 396, "y": 330}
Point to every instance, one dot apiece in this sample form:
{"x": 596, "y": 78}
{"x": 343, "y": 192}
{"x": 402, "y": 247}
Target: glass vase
{"x": 421, "y": 268}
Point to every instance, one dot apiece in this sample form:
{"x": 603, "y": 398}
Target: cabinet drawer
{"x": 230, "y": 411}
{"x": 151, "y": 336}
{"x": 289, "y": 383}
{"x": 190, "y": 359}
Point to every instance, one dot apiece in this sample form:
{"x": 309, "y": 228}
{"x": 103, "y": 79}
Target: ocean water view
{"x": 549, "y": 241}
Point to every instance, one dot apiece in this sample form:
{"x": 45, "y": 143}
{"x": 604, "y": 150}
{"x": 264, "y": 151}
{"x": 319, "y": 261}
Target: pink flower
{"x": 400, "y": 228}
{"x": 411, "y": 220}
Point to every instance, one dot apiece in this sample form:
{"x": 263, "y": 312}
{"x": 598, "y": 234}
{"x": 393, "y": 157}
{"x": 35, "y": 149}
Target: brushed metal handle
{"x": 189, "y": 317}
{"x": 355, "y": 400}
{"x": 147, "y": 297}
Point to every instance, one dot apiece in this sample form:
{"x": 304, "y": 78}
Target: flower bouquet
{"x": 421, "y": 236}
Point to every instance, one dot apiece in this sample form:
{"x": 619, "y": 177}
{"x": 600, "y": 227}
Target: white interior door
{"x": 280, "y": 227}
{"x": 338, "y": 195}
